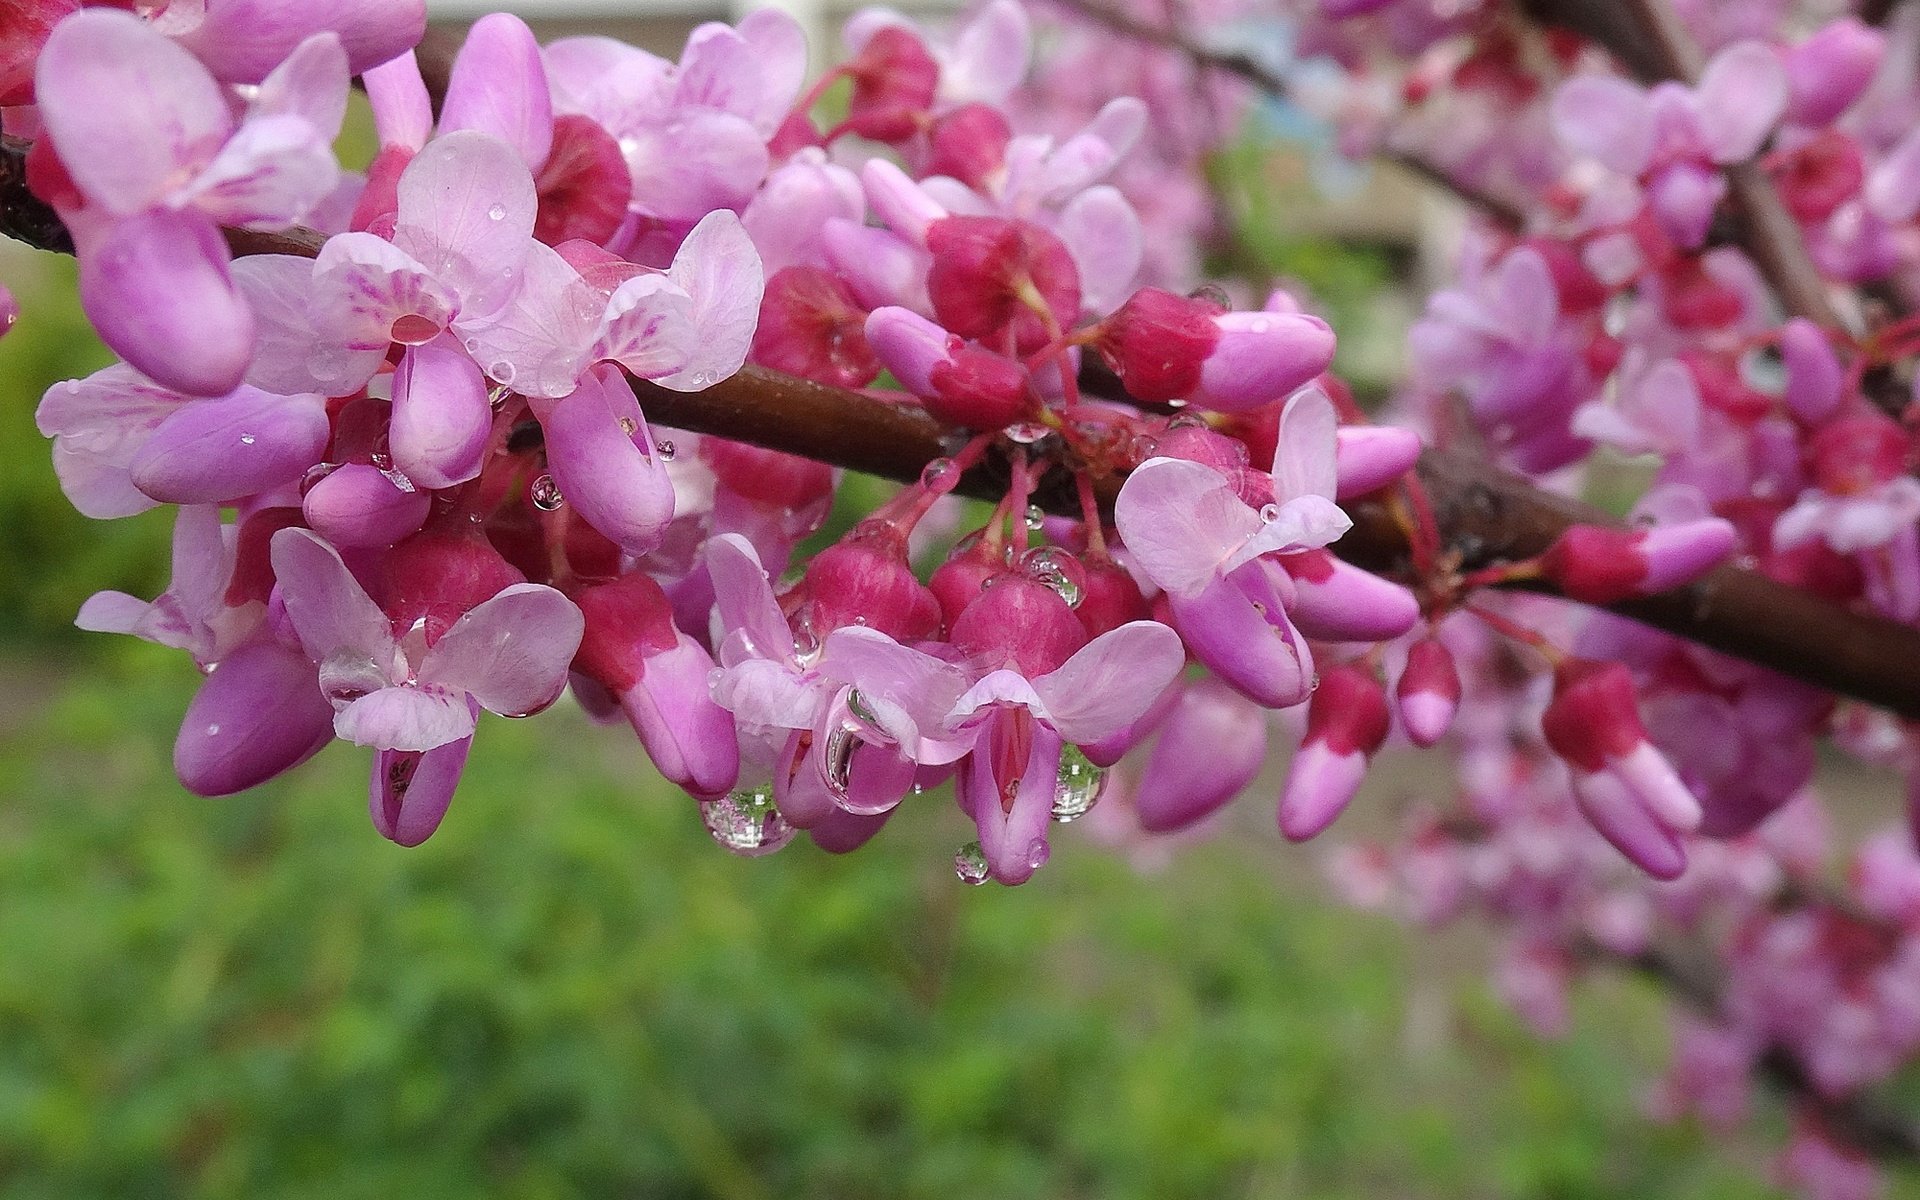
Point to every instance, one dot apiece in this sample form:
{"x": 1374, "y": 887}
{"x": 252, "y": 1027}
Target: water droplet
{"x": 247, "y": 439}
{"x": 806, "y": 643}
{"x": 938, "y": 474}
{"x": 858, "y": 706}
{"x": 314, "y": 475}
{"x": 1142, "y": 448}
{"x": 1036, "y": 516}
{"x": 860, "y": 619}
{"x": 502, "y": 371}
{"x": 497, "y": 213}
{"x": 665, "y": 450}
{"x": 919, "y": 789}
{"x": 838, "y": 756}
{"x": 1270, "y": 513}
{"x": 1057, "y": 570}
{"x": 381, "y": 460}
{"x": 1079, "y": 786}
{"x": 1027, "y": 432}
{"x": 747, "y": 822}
{"x": 545, "y": 494}
{"x": 1176, "y": 404}
{"x": 701, "y": 379}
{"x": 1038, "y": 852}
{"x": 213, "y": 731}
{"x": 628, "y": 425}
{"x": 970, "y": 864}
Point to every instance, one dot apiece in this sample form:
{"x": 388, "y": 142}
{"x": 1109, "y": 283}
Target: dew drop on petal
{"x": 247, "y": 439}
{"x": 1027, "y": 432}
{"x": 665, "y": 450}
{"x": 628, "y": 425}
{"x": 970, "y": 864}
{"x": 545, "y": 494}
{"x": 838, "y": 755}
{"x": 502, "y": 371}
{"x": 1078, "y": 787}
{"x": 213, "y": 731}
{"x": 497, "y": 213}
{"x": 1038, "y": 852}
{"x": 858, "y": 706}
{"x": 747, "y": 822}
{"x": 1270, "y": 513}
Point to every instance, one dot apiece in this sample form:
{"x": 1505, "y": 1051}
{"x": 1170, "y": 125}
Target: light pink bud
{"x": 1682, "y": 552}
{"x": 1338, "y": 602}
{"x": 1211, "y": 748}
{"x": 901, "y": 203}
{"x": 1828, "y": 72}
{"x": 910, "y": 346}
{"x": 1016, "y": 620}
{"x": 1369, "y": 457}
{"x": 842, "y": 832}
{"x": 600, "y": 452}
{"x": 1238, "y": 628}
{"x": 441, "y": 415}
{"x": 1814, "y": 377}
{"x": 158, "y": 288}
{"x": 1262, "y": 357}
{"x": 1346, "y": 722}
{"x": 258, "y": 714}
{"x": 865, "y": 579}
{"x": 361, "y": 505}
{"x": 1597, "y": 565}
{"x": 217, "y": 451}
{"x": 409, "y": 790}
{"x": 1428, "y": 693}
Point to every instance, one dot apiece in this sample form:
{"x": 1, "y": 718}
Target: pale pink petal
{"x": 1739, "y": 99}
{"x": 511, "y": 651}
{"x": 406, "y": 718}
{"x": 218, "y": 451}
{"x": 1102, "y": 232}
{"x": 467, "y": 205}
{"x": 1212, "y": 746}
{"x": 98, "y": 424}
{"x": 648, "y": 327}
{"x": 1302, "y": 523}
{"x": 242, "y": 40}
{"x": 270, "y": 175}
{"x": 607, "y": 80}
{"x": 989, "y": 55}
{"x": 499, "y": 86}
{"x": 132, "y": 114}
{"x": 753, "y": 72}
{"x": 1522, "y": 298}
{"x": 1893, "y": 186}
{"x": 719, "y": 268}
{"x": 441, "y": 416}
{"x": 1304, "y": 456}
{"x": 704, "y": 160}
{"x": 368, "y": 293}
{"x": 1605, "y": 118}
{"x": 1181, "y": 521}
{"x": 157, "y": 288}
{"x": 745, "y": 599}
{"x": 402, "y": 110}
{"x": 332, "y": 614}
{"x": 311, "y": 84}
{"x": 539, "y": 344}
{"x": 289, "y": 355}
{"x": 1111, "y": 680}
{"x": 1000, "y": 688}
{"x": 690, "y": 738}
{"x": 908, "y": 692}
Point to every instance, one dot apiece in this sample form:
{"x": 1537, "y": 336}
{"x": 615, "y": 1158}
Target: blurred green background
{"x": 569, "y": 991}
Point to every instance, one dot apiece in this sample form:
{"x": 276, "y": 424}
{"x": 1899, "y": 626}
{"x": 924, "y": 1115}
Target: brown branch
{"x": 1485, "y": 515}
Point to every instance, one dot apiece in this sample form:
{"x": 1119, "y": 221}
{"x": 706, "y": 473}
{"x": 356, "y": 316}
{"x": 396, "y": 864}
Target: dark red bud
{"x": 1857, "y": 453}
{"x": 1348, "y": 712}
{"x": 894, "y": 78}
{"x": 811, "y": 326}
{"x": 1596, "y": 565}
{"x": 1594, "y": 714}
{"x": 978, "y": 389}
{"x": 1018, "y": 622}
{"x": 987, "y": 269}
{"x": 1156, "y": 343}
{"x": 970, "y": 144}
{"x": 584, "y": 186}
{"x": 627, "y": 620}
{"x": 438, "y": 576}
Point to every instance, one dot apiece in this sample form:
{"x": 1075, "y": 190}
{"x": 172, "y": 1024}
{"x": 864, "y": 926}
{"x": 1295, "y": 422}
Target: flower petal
{"x": 1111, "y": 681}
{"x": 511, "y": 651}
{"x": 719, "y": 268}
{"x": 1181, "y": 521}
{"x": 499, "y": 86}
{"x": 406, "y": 718}
{"x": 330, "y": 612}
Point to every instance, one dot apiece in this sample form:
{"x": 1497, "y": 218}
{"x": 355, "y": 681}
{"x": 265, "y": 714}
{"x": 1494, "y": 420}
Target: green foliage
{"x": 570, "y": 992}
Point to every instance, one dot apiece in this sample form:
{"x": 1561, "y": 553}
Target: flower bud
{"x": 218, "y": 451}
{"x": 811, "y": 326}
{"x": 1210, "y": 748}
{"x": 991, "y": 274}
{"x": 1369, "y": 457}
{"x": 259, "y": 713}
{"x": 1346, "y": 722}
{"x": 1814, "y": 377}
{"x": 1828, "y": 72}
{"x": 1338, "y": 602}
{"x": 1597, "y": 565}
{"x": 361, "y": 505}
{"x": 894, "y": 77}
{"x": 1020, "y": 622}
{"x": 1428, "y": 693}
{"x": 970, "y": 144}
{"x": 158, "y": 288}
{"x": 865, "y": 579}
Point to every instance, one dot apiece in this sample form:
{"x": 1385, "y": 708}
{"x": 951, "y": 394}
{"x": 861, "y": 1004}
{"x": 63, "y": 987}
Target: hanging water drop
{"x": 970, "y": 864}
{"x": 665, "y": 450}
{"x": 1036, "y": 516}
{"x": 938, "y": 473}
{"x": 1270, "y": 513}
{"x": 1026, "y": 432}
{"x": 1078, "y": 787}
{"x": 545, "y": 494}
{"x": 1058, "y": 571}
{"x": 838, "y": 756}
{"x": 497, "y": 395}
{"x": 858, "y": 706}
{"x": 1038, "y": 852}
{"x": 747, "y": 822}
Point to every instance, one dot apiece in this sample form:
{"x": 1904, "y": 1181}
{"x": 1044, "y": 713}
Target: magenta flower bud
{"x": 217, "y": 451}
{"x": 969, "y": 144}
{"x": 1018, "y": 621}
{"x": 1261, "y": 358}
{"x": 1428, "y": 693}
{"x": 1338, "y": 602}
{"x": 1683, "y": 198}
{"x": 659, "y": 674}
{"x": 988, "y": 273}
{"x": 865, "y": 579}
{"x": 1109, "y": 598}
{"x": 361, "y": 505}
{"x": 600, "y": 452}
{"x": 158, "y": 288}
{"x": 1829, "y": 71}
{"x": 1815, "y": 381}
{"x": 258, "y": 714}
{"x": 1596, "y": 565}
{"x": 811, "y": 325}
{"x": 1210, "y": 748}
{"x": 894, "y": 77}
{"x": 1346, "y": 722}
{"x": 1156, "y": 343}
{"x": 1369, "y": 457}
{"x": 1626, "y": 788}
{"x": 959, "y": 384}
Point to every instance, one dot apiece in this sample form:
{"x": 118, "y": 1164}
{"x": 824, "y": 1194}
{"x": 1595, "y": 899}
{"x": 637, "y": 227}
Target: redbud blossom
{"x": 1346, "y": 722}
{"x": 1597, "y": 565}
{"x": 1428, "y": 692}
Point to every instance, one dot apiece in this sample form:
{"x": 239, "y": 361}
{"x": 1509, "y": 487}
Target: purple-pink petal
{"x": 259, "y": 713}
{"x": 441, "y": 416}
{"x": 499, "y": 86}
{"x": 511, "y": 651}
{"x": 158, "y": 289}
{"x": 218, "y": 451}
{"x": 409, "y": 791}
